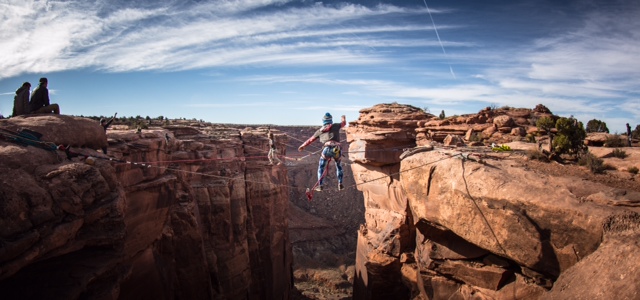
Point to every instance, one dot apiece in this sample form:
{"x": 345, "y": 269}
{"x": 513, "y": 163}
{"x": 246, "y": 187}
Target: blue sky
{"x": 288, "y": 62}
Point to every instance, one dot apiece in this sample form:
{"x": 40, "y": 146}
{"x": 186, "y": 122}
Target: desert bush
{"x": 442, "y": 115}
{"x": 618, "y": 153}
{"x": 597, "y": 126}
{"x": 545, "y": 123}
{"x": 593, "y": 163}
{"x": 536, "y": 155}
{"x": 570, "y": 138}
{"x": 633, "y": 170}
{"x": 614, "y": 140}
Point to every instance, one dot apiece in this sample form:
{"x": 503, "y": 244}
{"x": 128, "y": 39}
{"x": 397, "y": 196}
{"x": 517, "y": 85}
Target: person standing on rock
{"x": 40, "y": 100}
{"x": 273, "y": 155}
{"x": 629, "y": 134}
{"x": 106, "y": 125}
{"x": 329, "y": 135}
{"x": 21, "y": 100}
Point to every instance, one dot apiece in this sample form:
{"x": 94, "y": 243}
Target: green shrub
{"x": 618, "y": 153}
{"x": 570, "y": 138}
{"x": 597, "y": 126}
{"x": 593, "y": 163}
{"x": 545, "y": 123}
{"x": 633, "y": 170}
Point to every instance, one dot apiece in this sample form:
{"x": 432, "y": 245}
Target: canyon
{"x": 180, "y": 212}
{"x": 194, "y": 210}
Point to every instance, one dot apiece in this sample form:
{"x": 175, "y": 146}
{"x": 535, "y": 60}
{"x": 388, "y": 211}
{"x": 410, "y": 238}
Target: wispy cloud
{"x": 588, "y": 69}
{"x": 170, "y": 36}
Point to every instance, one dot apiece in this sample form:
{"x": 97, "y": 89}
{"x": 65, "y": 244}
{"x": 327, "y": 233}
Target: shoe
{"x": 340, "y": 187}
{"x": 318, "y": 188}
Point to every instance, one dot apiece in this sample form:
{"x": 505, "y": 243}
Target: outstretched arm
{"x": 315, "y": 136}
{"x": 307, "y": 142}
{"x": 114, "y": 116}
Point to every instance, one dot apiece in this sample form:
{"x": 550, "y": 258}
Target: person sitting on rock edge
{"x": 39, "y": 103}
{"x": 329, "y": 135}
{"x": 105, "y": 125}
{"x": 21, "y": 100}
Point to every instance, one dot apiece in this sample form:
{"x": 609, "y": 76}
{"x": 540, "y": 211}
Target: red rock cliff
{"x": 185, "y": 212}
{"x": 443, "y": 224}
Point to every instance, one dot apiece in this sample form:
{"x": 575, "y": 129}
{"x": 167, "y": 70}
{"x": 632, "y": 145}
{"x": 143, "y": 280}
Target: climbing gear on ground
{"x": 26, "y": 137}
{"x": 501, "y": 148}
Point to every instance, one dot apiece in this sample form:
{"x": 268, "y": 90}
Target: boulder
{"x": 503, "y": 121}
{"x": 61, "y": 129}
{"x": 453, "y": 140}
{"x": 518, "y": 131}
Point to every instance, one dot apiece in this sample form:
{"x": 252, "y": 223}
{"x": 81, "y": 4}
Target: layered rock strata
{"x": 445, "y": 223}
{"x": 183, "y": 212}
{"x": 499, "y": 125}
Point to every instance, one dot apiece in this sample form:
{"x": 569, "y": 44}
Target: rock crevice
{"x": 456, "y": 222}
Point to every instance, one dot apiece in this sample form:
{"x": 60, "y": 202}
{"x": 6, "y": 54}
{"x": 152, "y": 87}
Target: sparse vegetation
{"x": 615, "y": 140}
{"x": 633, "y": 170}
{"x": 619, "y": 153}
{"x": 442, "y": 115}
{"x": 593, "y": 163}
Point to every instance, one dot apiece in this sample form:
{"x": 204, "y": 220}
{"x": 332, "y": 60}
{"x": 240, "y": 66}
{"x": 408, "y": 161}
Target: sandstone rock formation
{"x": 180, "y": 213}
{"x": 462, "y": 223}
{"x": 500, "y": 125}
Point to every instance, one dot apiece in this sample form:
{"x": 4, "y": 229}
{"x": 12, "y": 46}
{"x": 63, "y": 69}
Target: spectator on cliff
{"x": 106, "y": 125}
{"x": 329, "y": 135}
{"x": 273, "y": 155}
{"x": 629, "y": 134}
{"x": 40, "y": 100}
{"x": 21, "y": 100}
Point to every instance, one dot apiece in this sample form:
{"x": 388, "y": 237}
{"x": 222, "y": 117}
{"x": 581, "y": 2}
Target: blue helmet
{"x": 327, "y": 119}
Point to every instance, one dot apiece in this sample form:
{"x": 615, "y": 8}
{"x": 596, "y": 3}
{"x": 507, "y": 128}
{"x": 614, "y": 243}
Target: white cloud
{"x": 78, "y": 34}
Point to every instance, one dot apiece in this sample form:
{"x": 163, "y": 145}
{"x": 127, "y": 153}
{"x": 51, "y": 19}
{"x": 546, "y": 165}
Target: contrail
{"x": 439, "y": 41}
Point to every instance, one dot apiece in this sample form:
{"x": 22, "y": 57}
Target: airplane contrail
{"x": 439, "y": 41}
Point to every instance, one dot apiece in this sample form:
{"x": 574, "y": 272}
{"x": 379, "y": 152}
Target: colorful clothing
{"x": 329, "y": 135}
